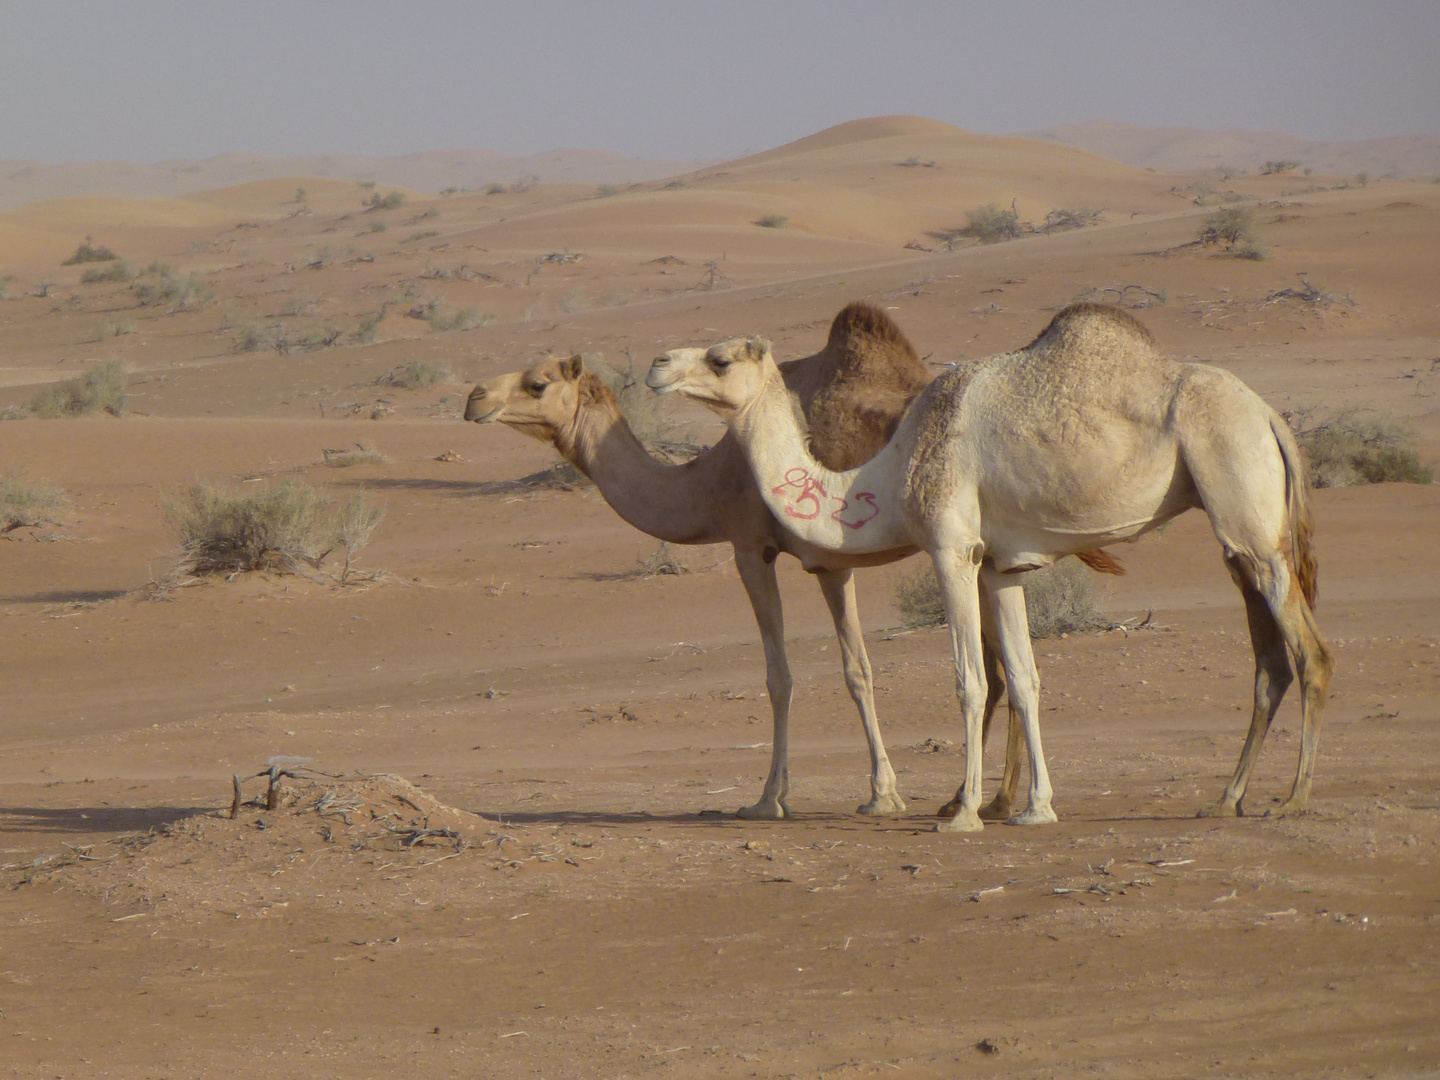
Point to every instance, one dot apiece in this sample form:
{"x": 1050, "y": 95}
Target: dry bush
{"x": 1070, "y": 217}
{"x": 88, "y": 252}
{"x": 1350, "y": 448}
{"x": 443, "y": 317}
{"x": 171, "y": 287}
{"x": 1059, "y": 599}
{"x": 990, "y": 224}
{"x": 361, "y": 455}
{"x": 369, "y": 328}
{"x": 101, "y": 387}
{"x": 222, "y": 532}
{"x": 390, "y": 201}
{"x": 7, "y": 284}
{"x": 425, "y": 234}
{"x": 773, "y": 221}
{"x": 119, "y": 270}
{"x": 646, "y": 414}
{"x": 357, "y": 523}
{"x": 25, "y": 504}
{"x": 415, "y": 375}
{"x": 113, "y": 326}
{"x": 659, "y": 563}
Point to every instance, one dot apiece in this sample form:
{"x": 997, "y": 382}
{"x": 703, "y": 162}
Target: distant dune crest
{"x": 1189, "y": 150}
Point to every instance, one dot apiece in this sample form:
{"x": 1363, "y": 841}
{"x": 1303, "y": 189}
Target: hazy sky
{"x": 145, "y": 81}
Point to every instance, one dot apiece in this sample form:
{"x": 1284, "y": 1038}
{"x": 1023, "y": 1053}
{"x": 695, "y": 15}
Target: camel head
{"x": 725, "y": 378}
{"x": 535, "y": 401}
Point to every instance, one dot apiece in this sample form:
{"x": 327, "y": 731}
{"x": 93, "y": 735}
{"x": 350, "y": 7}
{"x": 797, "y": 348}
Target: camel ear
{"x": 572, "y": 368}
{"x": 756, "y": 348}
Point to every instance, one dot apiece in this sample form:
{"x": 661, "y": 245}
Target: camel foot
{"x": 880, "y": 805}
{"x": 1289, "y": 806}
{"x": 997, "y": 809}
{"x": 764, "y": 811}
{"x": 1223, "y": 808}
{"x": 1034, "y": 815}
{"x": 963, "y": 821}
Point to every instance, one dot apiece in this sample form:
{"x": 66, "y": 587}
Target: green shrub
{"x": 118, "y": 270}
{"x": 101, "y": 387}
{"x": 24, "y": 504}
{"x": 773, "y": 221}
{"x": 88, "y": 252}
{"x": 1349, "y": 448}
{"x": 1229, "y": 225}
{"x": 1059, "y": 599}
{"x": 113, "y": 326}
{"x": 415, "y": 375}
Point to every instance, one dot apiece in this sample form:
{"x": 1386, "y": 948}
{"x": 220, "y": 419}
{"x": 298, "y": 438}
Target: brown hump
{"x": 854, "y": 391}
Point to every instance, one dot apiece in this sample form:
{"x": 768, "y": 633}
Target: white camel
{"x": 1085, "y": 437}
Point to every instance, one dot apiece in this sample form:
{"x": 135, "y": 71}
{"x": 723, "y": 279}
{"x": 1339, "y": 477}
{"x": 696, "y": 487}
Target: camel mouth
{"x": 486, "y": 416}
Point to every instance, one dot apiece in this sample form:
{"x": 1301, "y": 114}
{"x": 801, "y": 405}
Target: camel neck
{"x": 857, "y": 511}
{"x": 663, "y": 500}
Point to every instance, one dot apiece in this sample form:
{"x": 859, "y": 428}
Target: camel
{"x": 1085, "y": 437}
{"x": 852, "y": 393}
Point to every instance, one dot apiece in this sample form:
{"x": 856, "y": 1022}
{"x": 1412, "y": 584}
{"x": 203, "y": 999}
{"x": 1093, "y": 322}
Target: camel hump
{"x": 1089, "y": 324}
{"x": 866, "y": 345}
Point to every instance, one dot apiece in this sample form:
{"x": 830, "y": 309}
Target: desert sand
{"x": 586, "y": 735}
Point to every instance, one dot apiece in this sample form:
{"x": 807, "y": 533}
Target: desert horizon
{"x": 452, "y": 784}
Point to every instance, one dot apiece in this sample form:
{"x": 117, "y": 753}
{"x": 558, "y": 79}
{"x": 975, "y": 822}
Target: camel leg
{"x": 1005, "y": 596}
{"x": 1272, "y": 679}
{"x": 839, "y": 589}
{"x": 958, "y": 574}
{"x": 999, "y": 808}
{"x": 764, "y": 592}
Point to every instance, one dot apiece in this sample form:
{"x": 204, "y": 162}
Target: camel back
{"x": 854, "y": 391}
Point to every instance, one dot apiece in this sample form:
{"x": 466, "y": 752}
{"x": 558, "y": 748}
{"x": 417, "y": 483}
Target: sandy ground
{"x": 587, "y": 735}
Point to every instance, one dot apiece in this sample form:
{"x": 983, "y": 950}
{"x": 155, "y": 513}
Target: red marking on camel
{"x": 805, "y": 492}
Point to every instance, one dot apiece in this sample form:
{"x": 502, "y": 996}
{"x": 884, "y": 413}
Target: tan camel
{"x": 1085, "y": 437}
{"x": 852, "y": 393}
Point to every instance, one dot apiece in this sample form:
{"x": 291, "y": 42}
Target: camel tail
{"x": 1101, "y": 561}
{"x": 1297, "y": 495}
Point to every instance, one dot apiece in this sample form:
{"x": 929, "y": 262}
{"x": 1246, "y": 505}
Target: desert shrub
{"x": 773, "y": 221}
{"x": 102, "y": 387}
{"x": 391, "y": 200}
{"x": 113, "y": 326}
{"x": 258, "y": 337}
{"x": 361, "y": 455}
{"x": 430, "y": 213}
{"x": 357, "y": 523}
{"x": 374, "y": 227}
{"x": 1280, "y": 166}
{"x": 1229, "y": 225}
{"x": 1349, "y": 448}
{"x": 524, "y": 184}
{"x": 424, "y": 234}
{"x": 494, "y": 188}
{"x": 25, "y": 504}
{"x": 366, "y": 185}
{"x": 171, "y": 287}
{"x": 989, "y": 224}
{"x": 369, "y": 328}
{"x": 1070, "y": 217}
{"x": 662, "y": 562}
{"x": 415, "y": 375}
{"x": 1362, "y": 178}
{"x": 299, "y": 194}
{"x": 223, "y": 532}
{"x": 88, "y": 253}
{"x": 7, "y": 282}
{"x": 604, "y": 191}
{"x": 443, "y": 317}
{"x": 678, "y": 184}
{"x": 300, "y": 304}
{"x": 118, "y": 270}
{"x": 1059, "y": 599}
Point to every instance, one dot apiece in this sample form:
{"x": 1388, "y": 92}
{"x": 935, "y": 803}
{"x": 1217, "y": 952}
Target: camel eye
{"x": 536, "y": 389}
{"x": 719, "y": 363}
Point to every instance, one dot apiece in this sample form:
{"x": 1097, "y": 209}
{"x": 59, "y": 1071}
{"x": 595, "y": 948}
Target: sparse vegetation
{"x": 916, "y": 163}
{"x": 301, "y": 304}
{"x": 444, "y": 317}
{"x": 989, "y": 224}
{"x": 604, "y": 191}
{"x": 118, "y": 270}
{"x": 644, "y": 411}
{"x": 1234, "y": 227}
{"x": 366, "y": 185}
{"x": 773, "y": 221}
{"x": 221, "y": 532}
{"x": 88, "y": 252}
{"x": 1059, "y": 599}
{"x": 678, "y": 184}
{"x": 391, "y": 200}
{"x": 7, "y": 282}
{"x": 1362, "y": 178}
{"x": 415, "y": 375}
{"x": 262, "y": 337}
{"x": 25, "y": 504}
{"x": 661, "y": 562}
{"x": 369, "y": 328}
{"x": 1279, "y": 166}
{"x": 171, "y": 287}
{"x": 524, "y": 184}
{"x": 425, "y": 234}
{"x": 113, "y": 326}
{"x": 494, "y": 188}
{"x": 361, "y": 455}
{"x": 1349, "y": 447}
{"x": 374, "y": 227}
{"x": 1074, "y": 217}
{"x": 358, "y": 521}
{"x": 300, "y": 194}
{"x": 102, "y": 387}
